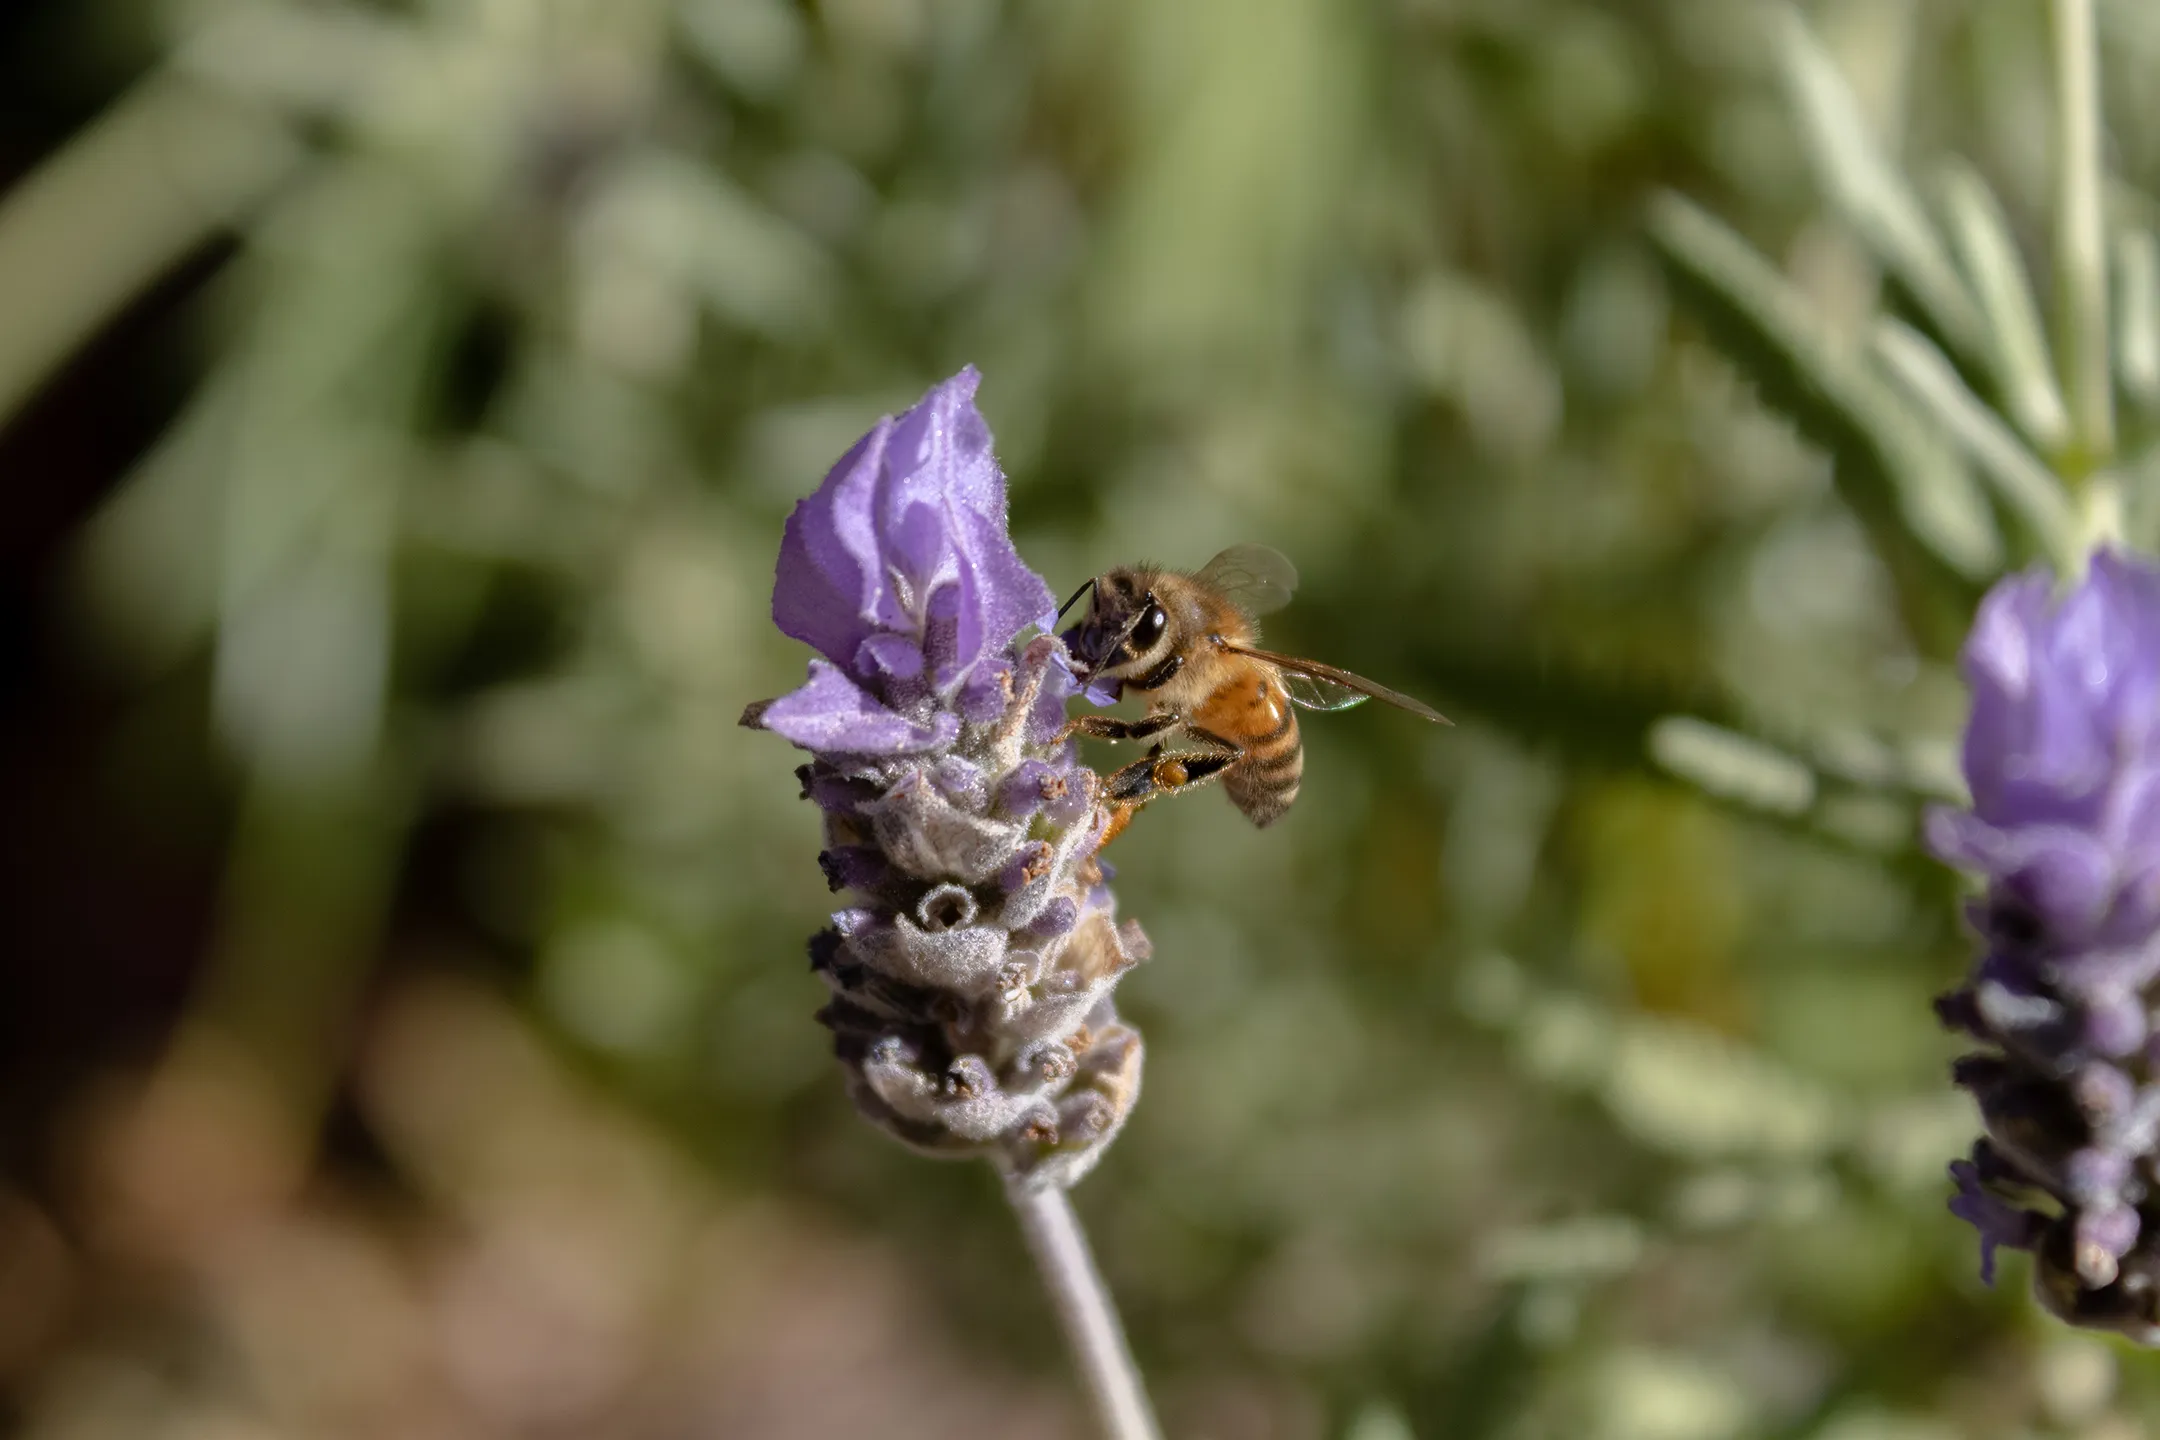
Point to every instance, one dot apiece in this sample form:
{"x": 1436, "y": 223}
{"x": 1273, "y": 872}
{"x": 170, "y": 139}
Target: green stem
{"x": 2080, "y": 244}
{"x": 2100, "y": 511}
{"x": 1085, "y": 1311}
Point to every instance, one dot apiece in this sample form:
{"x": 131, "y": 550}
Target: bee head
{"x": 1124, "y": 628}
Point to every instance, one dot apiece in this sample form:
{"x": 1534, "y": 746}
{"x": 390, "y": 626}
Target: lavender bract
{"x": 2062, "y": 755}
{"x": 973, "y": 973}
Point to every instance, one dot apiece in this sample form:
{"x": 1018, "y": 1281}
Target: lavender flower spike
{"x": 972, "y": 969}
{"x": 2062, "y": 755}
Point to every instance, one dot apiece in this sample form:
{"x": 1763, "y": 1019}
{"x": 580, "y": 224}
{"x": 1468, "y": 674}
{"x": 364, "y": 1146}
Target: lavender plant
{"x": 2063, "y": 757}
{"x": 974, "y": 972}
{"x": 2061, "y": 750}
{"x": 1218, "y": 297}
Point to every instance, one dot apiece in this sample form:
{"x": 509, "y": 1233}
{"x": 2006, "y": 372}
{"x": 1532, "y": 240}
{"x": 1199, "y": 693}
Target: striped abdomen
{"x": 1254, "y": 712}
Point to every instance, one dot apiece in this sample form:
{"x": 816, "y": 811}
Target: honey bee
{"x": 1185, "y": 641}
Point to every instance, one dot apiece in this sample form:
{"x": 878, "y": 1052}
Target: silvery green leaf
{"x": 1922, "y": 511}
{"x": 755, "y": 46}
{"x": 2141, "y": 499}
{"x": 1867, "y": 188}
{"x": 1691, "y": 1091}
{"x": 165, "y": 168}
{"x": 2137, "y": 316}
{"x": 2025, "y": 484}
{"x": 316, "y": 60}
{"x": 1677, "y": 1086}
{"x": 1736, "y": 767}
{"x": 147, "y": 562}
{"x": 659, "y": 212}
{"x": 1587, "y": 1247}
{"x": 2016, "y": 341}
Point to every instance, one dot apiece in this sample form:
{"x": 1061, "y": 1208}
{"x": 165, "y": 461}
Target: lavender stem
{"x": 1085, "y": 1310}
{"x": 2081, "y": 242}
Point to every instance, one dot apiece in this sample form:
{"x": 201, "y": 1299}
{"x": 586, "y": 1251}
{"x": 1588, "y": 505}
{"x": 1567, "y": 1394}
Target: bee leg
{"x": 1214, "y": 741}
{"x": 1110, "y": 727}
{"x": 1161, "y": 775}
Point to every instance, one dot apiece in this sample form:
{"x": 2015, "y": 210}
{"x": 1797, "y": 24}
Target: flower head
{"x": 899, "y": 571}
{"x": 2062, "y": 755}
{"x": 973, "y": 970}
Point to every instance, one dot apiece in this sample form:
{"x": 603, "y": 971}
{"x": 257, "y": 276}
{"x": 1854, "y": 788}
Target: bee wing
{"x": 1314, "y": 694}
{"x": 1325, "y": 685}
{"x": 1256, "y": 579}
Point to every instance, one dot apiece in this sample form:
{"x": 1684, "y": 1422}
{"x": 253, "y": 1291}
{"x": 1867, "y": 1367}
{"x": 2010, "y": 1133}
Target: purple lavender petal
{"x": 918, "y": 549}
{"x": 2115, "y": 1024}
{"x": 906, "y": 538}
{"x": 2062, "y": 877}
{"x": 1961, "y": 838}
{"x": 1013, "y": 596}
{"x": 1048, "y": 719}
{"x": 2094, "y": 1174}
{"x": 1029, "y": 863}
{"x": 961, "y": 781}
{"x": 971, "y": 631}
{"x": 985, "y": 694}
{"x": 889, "y": 660}
{"x": 2001, "y": 1224}
{"x": 1056, "y": 918}
{"x": 1068, "y": 795}
{"x": 1024, "y": 789}
{"x": 942, "y": 641}
{"x": 831, "y": 713}
{"x": 826, "y": 586}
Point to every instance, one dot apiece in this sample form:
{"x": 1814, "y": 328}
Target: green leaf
{"x": 1868, "y": 189}
{"x": 2026, "y": 485}
{"x": 1731, "y": 766}
{"x": 2016, "y": 339}
{"x": 1695, "y": 735}
{"x": 117, "y": 207}
{"x": 1922, "y": 512}
{"x": 2137, "y": 317}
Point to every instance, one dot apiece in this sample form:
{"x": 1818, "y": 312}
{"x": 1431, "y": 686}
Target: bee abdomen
{"x": 1264, "y": 782}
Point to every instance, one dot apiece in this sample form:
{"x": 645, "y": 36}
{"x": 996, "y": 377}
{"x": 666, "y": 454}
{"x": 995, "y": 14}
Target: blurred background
{"x": 404, "y": 1024}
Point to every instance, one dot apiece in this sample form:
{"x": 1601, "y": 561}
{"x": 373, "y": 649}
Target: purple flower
{"x": 2062, "y": 755}
{"x": 898, "y": 570}
{"x": 972, "y": 975}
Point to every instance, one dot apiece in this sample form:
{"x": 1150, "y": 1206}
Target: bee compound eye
{"x": 1150, "y": 628}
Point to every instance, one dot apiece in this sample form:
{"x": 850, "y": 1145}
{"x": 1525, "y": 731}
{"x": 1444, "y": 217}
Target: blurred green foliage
{"x": 1570, "y": 1072}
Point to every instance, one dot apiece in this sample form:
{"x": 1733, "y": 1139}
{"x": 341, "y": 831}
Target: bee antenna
{"x": 1084, "y": 589}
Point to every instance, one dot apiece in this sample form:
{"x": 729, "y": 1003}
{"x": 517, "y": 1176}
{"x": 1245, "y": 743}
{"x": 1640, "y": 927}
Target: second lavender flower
{"x": 2062, "y": 755}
